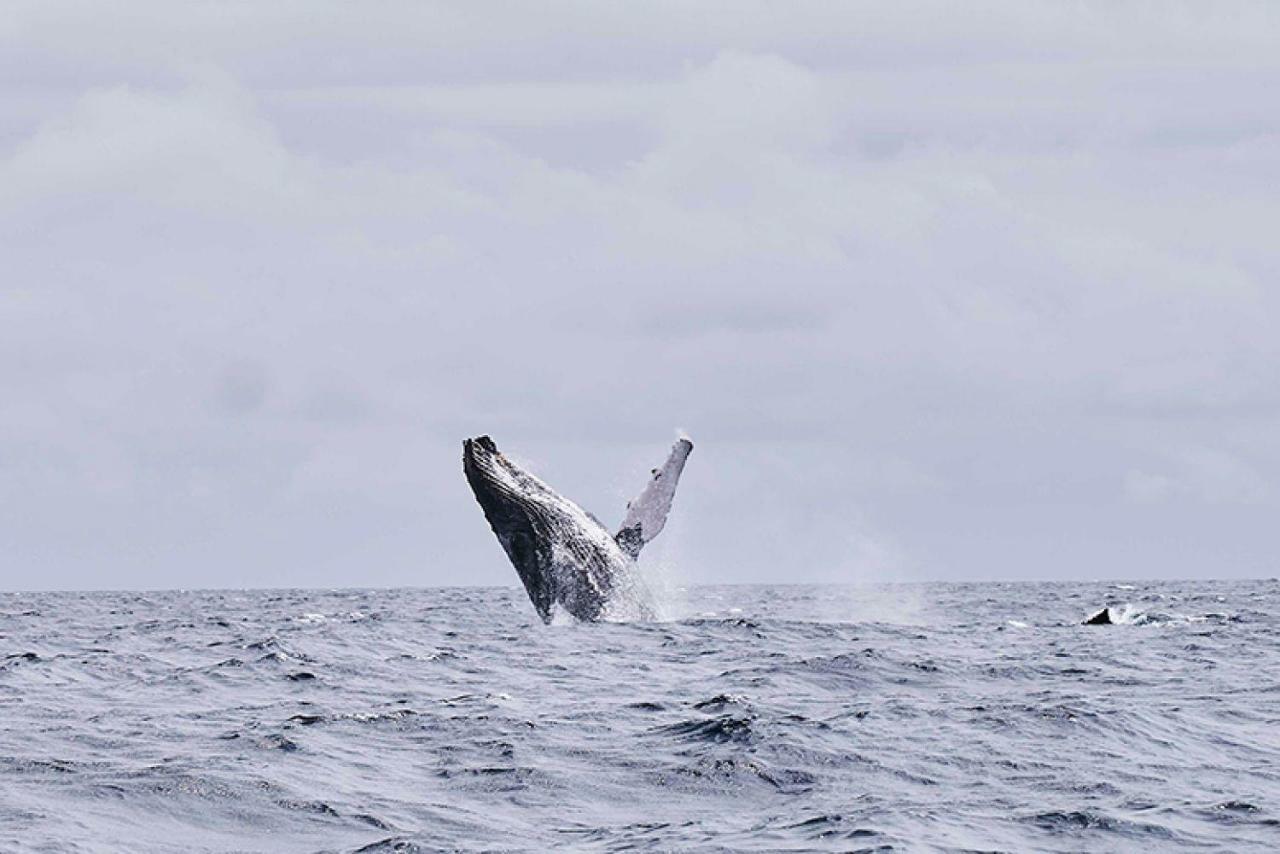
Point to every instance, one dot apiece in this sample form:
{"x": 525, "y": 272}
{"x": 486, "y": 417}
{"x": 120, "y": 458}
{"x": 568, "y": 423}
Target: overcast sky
{"x": 940, "y": 291}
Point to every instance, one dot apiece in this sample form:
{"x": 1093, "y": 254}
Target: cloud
{"x": 1199, "y": 474}
{"x": 927, "y": 282}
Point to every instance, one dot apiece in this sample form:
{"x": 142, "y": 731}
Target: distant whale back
{"x": 1102, "y": 618}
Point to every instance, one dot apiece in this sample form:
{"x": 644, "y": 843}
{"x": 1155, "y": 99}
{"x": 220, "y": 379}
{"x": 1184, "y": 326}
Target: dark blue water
{"x": 908, "y": 718}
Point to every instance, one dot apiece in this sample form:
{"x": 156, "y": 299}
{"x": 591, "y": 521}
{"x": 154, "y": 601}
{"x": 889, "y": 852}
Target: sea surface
{"x": 934, "y": 717}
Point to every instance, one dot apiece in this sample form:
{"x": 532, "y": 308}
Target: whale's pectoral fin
{"x": 647, "y": 513}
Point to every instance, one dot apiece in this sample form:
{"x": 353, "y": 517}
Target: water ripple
{"x": 941, "y": 717}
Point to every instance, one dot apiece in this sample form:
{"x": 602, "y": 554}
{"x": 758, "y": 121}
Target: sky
{"x": 939, "y": 290}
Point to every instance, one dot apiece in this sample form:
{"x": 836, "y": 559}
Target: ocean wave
{"x": 427, "y": 720}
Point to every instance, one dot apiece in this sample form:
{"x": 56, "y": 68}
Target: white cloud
{"x": 1200, "y": 474}
{"x": 948, "y": 275}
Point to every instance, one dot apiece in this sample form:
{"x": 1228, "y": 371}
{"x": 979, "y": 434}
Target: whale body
{"x": 564, "y": 556}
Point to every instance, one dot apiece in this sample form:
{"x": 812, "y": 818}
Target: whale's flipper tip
{"x": 1102, "y": 618}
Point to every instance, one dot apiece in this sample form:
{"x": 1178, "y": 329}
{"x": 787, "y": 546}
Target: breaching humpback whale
{"x": 562, "y": 553}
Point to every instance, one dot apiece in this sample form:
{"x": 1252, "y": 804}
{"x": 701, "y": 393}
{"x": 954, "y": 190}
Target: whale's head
{"x": 515, "y": 503}
{"x": 499, "y": 484}
{"x": 504, "y": 490}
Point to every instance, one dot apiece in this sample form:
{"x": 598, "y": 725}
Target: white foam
{"x": 1127, "y": 615}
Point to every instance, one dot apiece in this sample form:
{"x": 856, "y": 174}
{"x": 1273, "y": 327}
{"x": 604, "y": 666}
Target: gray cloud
{"x": 938, "y": 293}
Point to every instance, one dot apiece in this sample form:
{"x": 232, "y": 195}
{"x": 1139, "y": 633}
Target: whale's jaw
{"x": 563, "y": 556}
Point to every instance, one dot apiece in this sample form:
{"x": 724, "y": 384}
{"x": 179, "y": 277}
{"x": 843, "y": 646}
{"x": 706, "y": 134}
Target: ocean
{"x": 913, "y": 717}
